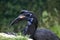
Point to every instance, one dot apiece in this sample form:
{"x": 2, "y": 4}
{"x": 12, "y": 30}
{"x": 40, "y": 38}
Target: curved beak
{"x": 19, "y": 18}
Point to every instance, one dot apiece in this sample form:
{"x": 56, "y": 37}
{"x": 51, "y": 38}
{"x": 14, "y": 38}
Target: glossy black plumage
{"x": 31, "y": 28}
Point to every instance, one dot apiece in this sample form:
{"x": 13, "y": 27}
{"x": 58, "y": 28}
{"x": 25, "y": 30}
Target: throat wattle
{"x": 25, "y": 31}
{"x": 30, "y": 28}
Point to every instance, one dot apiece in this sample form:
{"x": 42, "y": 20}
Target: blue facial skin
{"x": 30, "y": 20}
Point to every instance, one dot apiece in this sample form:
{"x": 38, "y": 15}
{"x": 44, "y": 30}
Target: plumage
{"x": 31, "y": 28}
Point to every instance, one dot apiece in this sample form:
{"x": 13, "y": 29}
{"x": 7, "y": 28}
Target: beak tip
{"x": 14, "y": 21}
{"x": 11, "y": 24}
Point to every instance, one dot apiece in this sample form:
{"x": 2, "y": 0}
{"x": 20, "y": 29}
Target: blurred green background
{"x": 47, "y": 12}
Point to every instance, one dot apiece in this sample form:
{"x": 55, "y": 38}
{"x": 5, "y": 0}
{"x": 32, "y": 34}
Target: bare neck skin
{"x": 31, "y": 26}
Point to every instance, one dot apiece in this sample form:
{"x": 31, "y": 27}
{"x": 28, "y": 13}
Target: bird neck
{"x": 31, "y": 26}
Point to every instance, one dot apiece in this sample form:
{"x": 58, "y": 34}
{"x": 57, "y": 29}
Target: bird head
{"x": 24, "y": 15}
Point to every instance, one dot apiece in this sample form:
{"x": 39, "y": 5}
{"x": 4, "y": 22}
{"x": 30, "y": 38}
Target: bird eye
{"x": 28, "y": 15}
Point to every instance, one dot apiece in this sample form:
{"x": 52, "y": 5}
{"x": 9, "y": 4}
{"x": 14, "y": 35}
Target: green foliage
{"x": 47, "y": 12}
{"x": 14, "y": 38}
{"x": 56, "y": 29}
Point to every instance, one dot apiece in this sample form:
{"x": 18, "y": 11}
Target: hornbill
{"x": 31, "y": 28}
